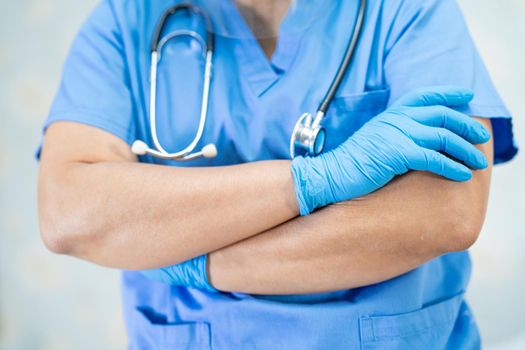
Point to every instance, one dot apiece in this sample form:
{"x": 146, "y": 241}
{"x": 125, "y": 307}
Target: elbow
{"x": 463, "y": 226}
{"x": 463, "y": 234}
{"x": 56, "y": 238}
{"x": 63, "y": 228}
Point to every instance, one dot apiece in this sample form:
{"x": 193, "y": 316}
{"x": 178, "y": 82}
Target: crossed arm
{"x": 415, "y": 218}
{"x": 97, "y": 203}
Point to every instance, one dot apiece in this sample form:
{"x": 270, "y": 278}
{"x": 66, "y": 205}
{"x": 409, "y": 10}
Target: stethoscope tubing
{"x": 306, "y": 129}
{"x": 345, "y": 63}
{"x": 161, "y": 152}
{"x": 210, "y": 41}
{"x": 156, "y": 56}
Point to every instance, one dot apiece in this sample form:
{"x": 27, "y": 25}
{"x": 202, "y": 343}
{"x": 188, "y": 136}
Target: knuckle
{"x": 403, "y": 111}
{"x": 417, "y": 93}
{"x": 443, "y": 114}
{"x": 464, "y": 128}
{"x": 442, "y": 140}
{"x": 428, "y": 158}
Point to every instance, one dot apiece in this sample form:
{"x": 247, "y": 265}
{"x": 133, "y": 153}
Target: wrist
{"x": 199, "y": 273}
{"x": 219, "y": 271}
{"x": 191, "y": 273}
{"x": 311, "y": 186}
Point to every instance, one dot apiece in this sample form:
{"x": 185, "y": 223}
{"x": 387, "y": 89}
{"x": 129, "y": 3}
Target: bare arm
{"x": 97, "y": 203}
{"x": 415, "y": 218}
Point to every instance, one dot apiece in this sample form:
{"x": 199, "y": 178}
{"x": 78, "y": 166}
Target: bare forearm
{"x": 136, "y": 216}
{"x": 343, "y": 246}
{"x": 412, "y": 220}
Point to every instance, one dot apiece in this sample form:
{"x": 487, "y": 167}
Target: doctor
{"x": 362, "y": 246}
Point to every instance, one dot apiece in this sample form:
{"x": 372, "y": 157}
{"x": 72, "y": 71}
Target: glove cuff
{"x": 196, "y": 274}
{"x": 191, "y": 273}
{"x": 311, "y": 188}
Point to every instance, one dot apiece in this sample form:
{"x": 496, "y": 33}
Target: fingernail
{"x": 486, "y": 134}
{"x": 466, "y": 176}
{"x": 469, "y": 94}
{"x": 483, "y": 162}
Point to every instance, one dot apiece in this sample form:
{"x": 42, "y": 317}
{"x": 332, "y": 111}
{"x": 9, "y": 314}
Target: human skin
{"x": 264, "y": 19}
{"x": 99, "y": 204}
{"x": 415, "y": 218}
{"x": 96, "y": 202}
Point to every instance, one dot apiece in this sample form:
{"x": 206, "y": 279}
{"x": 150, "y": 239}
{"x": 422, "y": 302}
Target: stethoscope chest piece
{"x": 308, "y": 137}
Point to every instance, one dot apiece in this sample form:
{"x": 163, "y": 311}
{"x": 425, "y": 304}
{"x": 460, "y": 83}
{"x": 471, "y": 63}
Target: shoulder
{"x": 131, "y": 22}
{"x": 394, "y": 12}
{"x": 424, "y": 17}
{"x": 131, "y": 14}
{"x": 413, "y": 4}
{"x": 402, "y": 9}
{"x": 127, "y": 10}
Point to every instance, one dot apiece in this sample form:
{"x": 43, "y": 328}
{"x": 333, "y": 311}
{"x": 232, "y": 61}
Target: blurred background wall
{"x": 52, "y": 302}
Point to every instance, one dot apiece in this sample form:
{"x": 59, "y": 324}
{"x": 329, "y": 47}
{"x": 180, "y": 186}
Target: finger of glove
{"x": 439, "y": 95}
{"x": 443, "y": 140}
{"x": 444, "y": 117}
{"x": 439, "y": 164}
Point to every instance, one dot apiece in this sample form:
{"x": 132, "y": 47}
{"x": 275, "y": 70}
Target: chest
{"x": 254, "y": 102}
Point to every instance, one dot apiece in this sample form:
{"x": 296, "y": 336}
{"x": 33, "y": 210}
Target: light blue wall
{"x": 50, "y": 302}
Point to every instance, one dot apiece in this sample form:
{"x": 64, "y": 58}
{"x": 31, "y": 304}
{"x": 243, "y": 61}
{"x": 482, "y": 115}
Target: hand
{"x": 191, "y": 273}
{"x": 413, "y": 134}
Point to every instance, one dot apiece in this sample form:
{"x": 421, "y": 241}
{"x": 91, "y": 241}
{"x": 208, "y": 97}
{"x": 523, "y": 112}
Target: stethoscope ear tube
{"x": 347, "y": 59}
{"x": 140, "y": 148}
{"x": 173, "y": 10}
{"x": 209, "y": 151}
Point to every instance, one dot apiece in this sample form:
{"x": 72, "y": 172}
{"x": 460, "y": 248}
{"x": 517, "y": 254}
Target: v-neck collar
{"x": 260, "y": 71}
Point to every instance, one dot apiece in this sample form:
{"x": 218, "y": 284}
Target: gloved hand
{"x": 191, "y": 273}
{"x": 408, "y": 136}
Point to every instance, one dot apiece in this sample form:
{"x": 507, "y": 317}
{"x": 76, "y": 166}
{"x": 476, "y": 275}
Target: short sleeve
{"x": 94, "y": 89}
{"x": 429, "y": 44}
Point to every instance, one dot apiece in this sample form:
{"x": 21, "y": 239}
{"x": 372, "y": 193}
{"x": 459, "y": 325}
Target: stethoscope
{"x": 209, "y": 151}
{"x": 308, "y": 136}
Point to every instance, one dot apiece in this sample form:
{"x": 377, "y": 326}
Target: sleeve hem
{"x": 89, "y": 118}
{"x": 482, "y": 111}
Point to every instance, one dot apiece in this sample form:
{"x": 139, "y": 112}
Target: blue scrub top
{"x": 254, "y": 104}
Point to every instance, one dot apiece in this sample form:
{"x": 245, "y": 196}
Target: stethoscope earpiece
{"x": 139, "y": 148}
{"x": 209, "y": 151}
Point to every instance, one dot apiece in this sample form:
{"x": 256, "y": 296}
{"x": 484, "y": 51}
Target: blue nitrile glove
{"x": 408, "y": 136}
{"x": 191, "y": 273}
